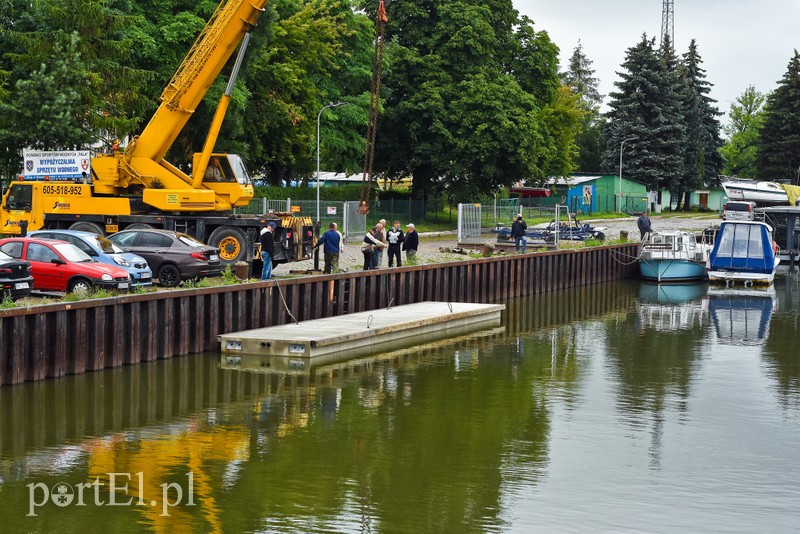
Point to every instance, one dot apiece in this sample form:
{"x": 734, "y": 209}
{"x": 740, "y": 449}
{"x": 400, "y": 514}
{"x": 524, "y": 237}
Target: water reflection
{"x": 741, "y": 315}
{"x": 653, "y": 356}
{"x": 780, "y": 355}
{"x": 472, "y": 433}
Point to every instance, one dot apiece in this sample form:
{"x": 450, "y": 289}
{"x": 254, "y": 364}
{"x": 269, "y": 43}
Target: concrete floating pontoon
{"x": 360, "y": 333}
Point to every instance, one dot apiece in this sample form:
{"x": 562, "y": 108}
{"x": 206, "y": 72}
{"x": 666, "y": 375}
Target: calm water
{"x": 621, "y": 408}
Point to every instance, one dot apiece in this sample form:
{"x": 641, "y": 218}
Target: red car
{"x": 61, "y": 266}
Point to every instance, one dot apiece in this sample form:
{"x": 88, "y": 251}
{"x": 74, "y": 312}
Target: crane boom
{"x": 214, "y": 46}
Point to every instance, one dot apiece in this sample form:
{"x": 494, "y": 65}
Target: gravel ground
{"x": 431, "y": 243}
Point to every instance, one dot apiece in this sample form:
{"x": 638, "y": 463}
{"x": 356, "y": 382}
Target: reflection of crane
{"x": 668, "y": 21}
{"x": 154, "y": 461}
{"x": 374, "y": 106}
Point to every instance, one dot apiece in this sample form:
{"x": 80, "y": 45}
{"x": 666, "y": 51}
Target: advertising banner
{"x": 60, "y": 165}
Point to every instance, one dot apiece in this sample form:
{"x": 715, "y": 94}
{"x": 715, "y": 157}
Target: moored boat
{"x": 744, "y": 252}
{"x": 673, "y": 256}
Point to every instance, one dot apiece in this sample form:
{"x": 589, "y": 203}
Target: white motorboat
{"x": 762, "y": 193}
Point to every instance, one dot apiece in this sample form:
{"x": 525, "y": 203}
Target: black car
{"x": 173, "y": 256}
{"x": 16, "y": 279}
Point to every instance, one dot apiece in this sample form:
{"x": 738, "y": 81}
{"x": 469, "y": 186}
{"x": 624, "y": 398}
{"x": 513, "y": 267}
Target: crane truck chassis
{"x": 28, "y": 206}
{"x": 137, "y": 187}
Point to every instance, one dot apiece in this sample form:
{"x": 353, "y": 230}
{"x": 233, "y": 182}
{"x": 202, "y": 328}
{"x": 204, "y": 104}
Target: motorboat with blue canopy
{"x": 744, "y": 252}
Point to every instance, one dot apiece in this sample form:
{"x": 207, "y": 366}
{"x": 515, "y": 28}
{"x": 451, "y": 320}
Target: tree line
{"x": 472, "y": 97}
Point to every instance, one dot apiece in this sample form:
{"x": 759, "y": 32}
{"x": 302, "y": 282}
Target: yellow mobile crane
{"x": 136, "y": 187}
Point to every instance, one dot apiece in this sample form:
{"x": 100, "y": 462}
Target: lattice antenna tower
{"x": 668, "y": 21}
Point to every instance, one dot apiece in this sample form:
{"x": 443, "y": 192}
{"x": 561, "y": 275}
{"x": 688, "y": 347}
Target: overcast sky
{"x": 741, "y": 42}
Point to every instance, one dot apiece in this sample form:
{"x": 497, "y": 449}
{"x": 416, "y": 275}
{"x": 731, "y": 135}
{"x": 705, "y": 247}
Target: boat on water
{"x": 744, "y": 252}
{"x": 673, "y": 256}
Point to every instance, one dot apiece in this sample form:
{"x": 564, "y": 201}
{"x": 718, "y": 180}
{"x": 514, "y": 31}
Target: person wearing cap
{"x": 410, "y": 244}
{"x": 267, "y": 250}
{"x": 645, "y": 227}
{"x": 518, "y": 228}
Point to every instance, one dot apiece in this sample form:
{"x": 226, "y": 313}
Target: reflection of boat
{"x": 762, "y": 193}
{"x": 669, "y": 307}
{"x": 673, "y": 256}
{"x": 741, "y": 316}
{"x": 672, "y": 293}
{"x": 745, "y": 252}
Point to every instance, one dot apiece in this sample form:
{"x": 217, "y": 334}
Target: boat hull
{"x": 762, "y": 193}
{"x": 672, "y": 270}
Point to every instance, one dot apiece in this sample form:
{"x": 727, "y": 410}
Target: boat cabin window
{"x": 741, "y": 241}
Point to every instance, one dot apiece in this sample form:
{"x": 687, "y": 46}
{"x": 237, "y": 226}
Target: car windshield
{"x": 107, "y": 246}
{"x": 189, "y": 240}
{"x": 5, "y": 257}
{"x": 71, "y": 252}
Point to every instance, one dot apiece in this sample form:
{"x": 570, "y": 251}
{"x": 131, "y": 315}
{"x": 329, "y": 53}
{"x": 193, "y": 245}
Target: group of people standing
{"x": 393, "y": 240}
{"x": 378, "y": 239}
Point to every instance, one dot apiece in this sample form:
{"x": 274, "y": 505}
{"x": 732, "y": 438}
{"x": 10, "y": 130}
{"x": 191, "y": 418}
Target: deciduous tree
{"x": 746, "y": 118}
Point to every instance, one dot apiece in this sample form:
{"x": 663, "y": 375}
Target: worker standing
{"x": 395, "y": 238}
{"x": 267, "y": 250}
{"x": 411, "y": 243}
{"x": 644, "y": 224}
{"x": 332, "y": 241}
{"x": 518, "y": 228}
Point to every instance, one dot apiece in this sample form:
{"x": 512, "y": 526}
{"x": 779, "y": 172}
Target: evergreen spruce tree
{"x": 778, "y": 156}
{"x": 702, "y": 159}
{"x": 579, "y": 77}
{"x": 646, "y": 108}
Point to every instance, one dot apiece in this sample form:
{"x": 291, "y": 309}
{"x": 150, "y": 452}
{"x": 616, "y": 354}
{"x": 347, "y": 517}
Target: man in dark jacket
{"x": 411, "y": 243}
{"x": 518, "y": 228}
{"x": 267, "y": 250}
{"x": 395, "y": 238}
{"x": 643, "y": 222}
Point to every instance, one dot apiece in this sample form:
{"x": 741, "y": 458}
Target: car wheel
{"x": 80, "y": 286}
{"x": 87, "y": 227}
{"x": 169, "y": 275}
{"x": 232, "y": 244}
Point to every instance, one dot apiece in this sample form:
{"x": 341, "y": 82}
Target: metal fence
{"x": 355, "y": 223}
{"x": 469, "y": 222}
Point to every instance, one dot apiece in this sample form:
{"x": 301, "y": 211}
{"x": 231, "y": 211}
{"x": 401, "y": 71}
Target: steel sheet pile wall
{"x": 72, "y": 338}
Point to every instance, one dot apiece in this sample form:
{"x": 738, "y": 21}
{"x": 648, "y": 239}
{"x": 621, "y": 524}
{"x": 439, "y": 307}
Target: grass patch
{"x": 7, "y": 302}
{"x": 228, "y": 278}
{"x": 196, "y": 283}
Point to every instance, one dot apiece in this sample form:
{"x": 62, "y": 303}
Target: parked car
{"x": 173, "y": 256}
{"x": 16, "y": 280}
{"x": 61, "y": 266}
{"x": 103, "y": 250}
{"x": 738, "y": 210}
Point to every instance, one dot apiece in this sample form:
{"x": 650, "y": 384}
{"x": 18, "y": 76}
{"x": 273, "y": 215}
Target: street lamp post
{"x": 620, "y": 170}
{"x": 319, "y": 115}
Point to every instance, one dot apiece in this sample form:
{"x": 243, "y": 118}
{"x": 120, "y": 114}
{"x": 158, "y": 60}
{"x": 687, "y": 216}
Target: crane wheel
{"x": 231, "y": 242}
